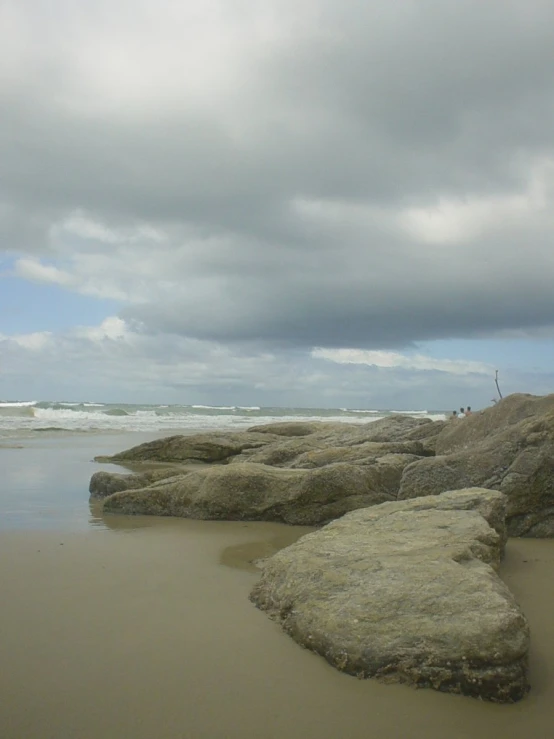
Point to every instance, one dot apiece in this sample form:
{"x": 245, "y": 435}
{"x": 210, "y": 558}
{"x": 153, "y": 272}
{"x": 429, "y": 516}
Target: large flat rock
{"x": 255, "y": 492}
{"x": 211, "y": 447}
{"x": 407, "y": 592}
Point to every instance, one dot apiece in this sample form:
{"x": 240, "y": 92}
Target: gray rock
{"x": 509, "y": 447}
{"x": 460, "y": 434}
{"x": 404, "y": 452}
{"x": 259, "y": 492}
{"x": 317, "y": 444}
{"x": 291, "y": 428}
{"x": 281, "y": 453}
{"x": 517, "y": 458}
{"x": 407, "y": 592}
{"x": 210, "y": 447}
{"x": 310, "y": 452}
{"x": 103, "y": 484}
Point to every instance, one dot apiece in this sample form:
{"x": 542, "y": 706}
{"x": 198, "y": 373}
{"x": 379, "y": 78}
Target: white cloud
{"x": 454, "y": 221}
{"x": 112, "y": 362}
{"x": 112, "y": 328}
{"x": 32, "y": 269}
{"x": 80, "y": 224}
{"x": 395, "y": 360}
{"x": 35, "y": 342}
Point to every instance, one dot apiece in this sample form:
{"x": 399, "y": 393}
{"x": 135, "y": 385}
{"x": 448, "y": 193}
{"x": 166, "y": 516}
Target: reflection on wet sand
{"x": 99, "y": 519}
{"x": 249, "y": 555}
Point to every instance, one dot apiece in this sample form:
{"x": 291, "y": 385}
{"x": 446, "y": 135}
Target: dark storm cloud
{"x": 296, "y": 178}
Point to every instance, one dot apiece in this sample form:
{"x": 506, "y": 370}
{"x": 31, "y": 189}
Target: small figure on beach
{"x": 468, "y": 411}
{"x": 454, "y": 414}
{"x": 461, "y": 414}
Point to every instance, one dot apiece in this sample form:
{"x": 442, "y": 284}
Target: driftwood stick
{"x": 496, "y": 383}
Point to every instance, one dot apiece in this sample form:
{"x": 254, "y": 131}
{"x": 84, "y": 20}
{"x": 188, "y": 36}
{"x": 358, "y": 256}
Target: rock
{"x": 258, "y": 492}
{"x": 458, "y": 435}
{"x": 516, "y": 458}
{"x": 407, "y": 592}
{"x": 103, "y": 484}
{"x": 389, "y": 429}
{"x": 310, "y": 452}
{"x": 348, "y": 442}
{"x": 291, "y": 428}
{"x": 211, "y": 448}
{"x": 281, "y": 453}
{"x": 404, "y": 453}
{"x": 509, "y": 447}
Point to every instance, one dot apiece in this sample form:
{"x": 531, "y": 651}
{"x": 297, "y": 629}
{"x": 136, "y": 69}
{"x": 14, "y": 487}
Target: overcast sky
{"x": 277, "y": 202}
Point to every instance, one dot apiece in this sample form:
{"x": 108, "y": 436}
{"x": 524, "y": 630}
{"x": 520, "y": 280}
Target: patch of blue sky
{"x": 27, "y": 307}
{"x": 529, "y": 354}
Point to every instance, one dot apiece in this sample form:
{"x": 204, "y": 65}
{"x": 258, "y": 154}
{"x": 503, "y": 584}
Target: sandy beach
{"x": 141, "y": 627}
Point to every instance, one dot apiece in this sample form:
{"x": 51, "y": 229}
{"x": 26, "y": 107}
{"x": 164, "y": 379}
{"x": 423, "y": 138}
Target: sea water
{"x": 21, "y": 417}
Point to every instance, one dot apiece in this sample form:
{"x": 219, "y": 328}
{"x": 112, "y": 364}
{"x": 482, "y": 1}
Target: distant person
{"x": 454, "y": 414}
{"x": 461, "y": 414}
{"x": 468, "y": 411}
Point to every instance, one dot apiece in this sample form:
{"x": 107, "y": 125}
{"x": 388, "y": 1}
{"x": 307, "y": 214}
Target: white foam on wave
{"x": 412, "y": 413}
{"x": 357, "y": 410}
{"x": 17, "y": 403}
{"x": 97, "y": 417}
{"x": 214, "y": 407}
{"x": 73, "y": 420}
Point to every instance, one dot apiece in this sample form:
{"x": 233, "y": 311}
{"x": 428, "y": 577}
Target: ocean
{"x": 25, "y": 417}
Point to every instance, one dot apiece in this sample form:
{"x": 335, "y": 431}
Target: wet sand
{"x": 45, "y": 476}
{"x": 148, "y": 632}
{"x": 123, "y": 627}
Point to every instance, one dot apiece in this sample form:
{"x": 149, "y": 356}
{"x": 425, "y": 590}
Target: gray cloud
{"x": 83, "y": 364}
{"x": 364, "y": 174}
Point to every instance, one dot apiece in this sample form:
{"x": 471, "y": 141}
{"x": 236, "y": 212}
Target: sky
{"x": 315, "y": 203}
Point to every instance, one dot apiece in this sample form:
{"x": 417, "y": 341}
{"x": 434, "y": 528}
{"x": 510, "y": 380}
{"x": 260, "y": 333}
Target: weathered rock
{"x": 291, "y": 428}
{"x": 310, "y": 452}
{"x": 344, "y": 442}
{"x": 103, "y": 484}
{"x": 369, "y": 453}
{"x": 458, "y": 434}
{"x": 211, "y": 448}
{"x": 509, "y": 447}
{"x": 391, "y": 428}
{"x": 281, "y": 453}
{"x": 517, "y": 459}
{"x": 259, "y": 492}
{"x": 406, "y": 592}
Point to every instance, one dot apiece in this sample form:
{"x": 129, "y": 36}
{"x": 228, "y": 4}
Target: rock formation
{"x": 510, "y": 448}
{"x": 407, "y": 592}
{"x": 343, "y": 466}
{"x": 255, "y": 492}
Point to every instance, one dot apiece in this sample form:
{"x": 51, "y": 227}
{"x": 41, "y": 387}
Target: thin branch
{"x": 496, "y": 383}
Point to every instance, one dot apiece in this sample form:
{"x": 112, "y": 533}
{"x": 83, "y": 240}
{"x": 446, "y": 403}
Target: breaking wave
{"x": 88, "y": 416}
